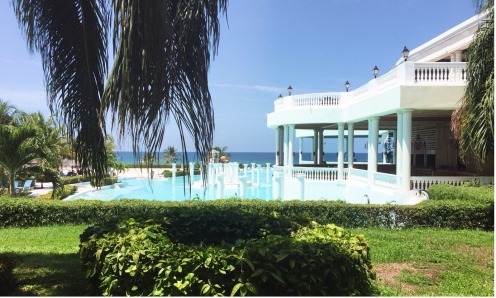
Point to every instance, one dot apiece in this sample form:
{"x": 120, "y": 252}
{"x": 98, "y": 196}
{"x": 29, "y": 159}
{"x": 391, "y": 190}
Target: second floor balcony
{"x": 411, "y": 74}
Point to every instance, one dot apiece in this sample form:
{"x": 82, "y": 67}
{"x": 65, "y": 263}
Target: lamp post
{"x": 280, "y": 96}
{"x": 290, "y": 90}
{"x": 375, "y": 71}
{"x": 347, "y": 85}
{"x": 405, "y": 53}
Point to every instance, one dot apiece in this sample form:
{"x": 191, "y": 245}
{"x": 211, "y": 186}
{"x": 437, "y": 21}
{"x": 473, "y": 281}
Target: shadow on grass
{"x": 50, "y": 275}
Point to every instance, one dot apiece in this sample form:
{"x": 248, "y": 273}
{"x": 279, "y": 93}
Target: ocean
{"x": 247, "y": 157}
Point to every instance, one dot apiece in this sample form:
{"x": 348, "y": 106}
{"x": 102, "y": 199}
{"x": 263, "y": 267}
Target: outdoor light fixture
{"x": 375, "y": 71}
{"x": 405, "y": 53}
{"x": 347, "y": 85}
{"x": 290, "y": 90}
{"x": 280, "y": 96}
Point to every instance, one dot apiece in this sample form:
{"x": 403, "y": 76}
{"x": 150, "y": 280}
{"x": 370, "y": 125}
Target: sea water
{"x": 243, "y": 157}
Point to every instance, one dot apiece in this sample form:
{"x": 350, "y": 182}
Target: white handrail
{"x": 385, "y": 180}
{"x": 420, "y": 182}
{"x": 317, "y": 174}
{"x": 358, "y": 174}
{"x": 440, "y": 72}
{"x": 425, "y": 73}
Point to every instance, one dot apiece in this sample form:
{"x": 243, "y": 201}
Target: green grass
{"x": 46, "y": 258}
{"x": 417, "y": 262}
{"x": 427, "y": 262}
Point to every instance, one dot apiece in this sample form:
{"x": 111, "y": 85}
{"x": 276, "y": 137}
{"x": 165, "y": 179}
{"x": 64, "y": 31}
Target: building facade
{"x": 407, "y": 111}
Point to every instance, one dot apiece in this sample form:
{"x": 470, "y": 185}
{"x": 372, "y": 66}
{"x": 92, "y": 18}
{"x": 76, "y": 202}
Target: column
{"x": 458, "y": 56}
{"x": 399, "y": 148}
{"x": 285, "y": 145}
{"x": 373, "y": 128}
{"x": 340, "y": 150}
{"x": 291, "y": 129}
{"x": 320, "y": 156}
{"x": 300, "y": 151}
{"x": 406, "y": 148}
{"x": 278, "y": 147}
{"x": 351, "y": 145}
{"x": 315, "y": 146}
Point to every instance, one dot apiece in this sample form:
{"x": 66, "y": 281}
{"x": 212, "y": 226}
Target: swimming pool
{"x": 163, "y": 189}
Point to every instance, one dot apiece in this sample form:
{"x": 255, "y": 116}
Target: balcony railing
{"x": 318, "y": 174}
{"x": 409, "y": 73}
{"x": 419, "y": 182}
{"x": 440, "y": 73}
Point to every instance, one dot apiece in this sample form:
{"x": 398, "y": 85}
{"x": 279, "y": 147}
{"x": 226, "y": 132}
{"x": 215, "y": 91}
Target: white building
{"x": 409, "y": 108}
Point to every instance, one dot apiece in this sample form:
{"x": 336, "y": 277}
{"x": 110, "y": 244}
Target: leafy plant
{"x": 138, "y": 258}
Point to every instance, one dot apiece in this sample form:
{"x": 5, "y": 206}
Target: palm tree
{"x": 171, "y": 155}
{"x": 8, "y": 112}
{"x": 473, "y": 122}
{"x": 161, "y": 55}
{"x": 50, "y": 141}
{"x": 18, "y": 146}
{"x": 222, "y": 153}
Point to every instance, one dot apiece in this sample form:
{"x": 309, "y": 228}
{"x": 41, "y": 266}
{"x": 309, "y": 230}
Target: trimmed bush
{"x": 483, "y": 194}
{"x": 234, "y": 218}
{"x": 139, "y": 259}
{"x": 74, "y": 179}
{"x": 60, "y": 193}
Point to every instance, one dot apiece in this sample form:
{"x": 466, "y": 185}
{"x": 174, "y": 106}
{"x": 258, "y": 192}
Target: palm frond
{"x": 162, "y": 53}
{"x": 71, "y": 37}
{"x": 473, "y": 123}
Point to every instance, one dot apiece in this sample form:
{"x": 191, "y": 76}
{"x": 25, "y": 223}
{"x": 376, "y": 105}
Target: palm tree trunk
{"x": 11, "y": 183}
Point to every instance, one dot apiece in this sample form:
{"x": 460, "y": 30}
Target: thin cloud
{"x": 267, "y": 89}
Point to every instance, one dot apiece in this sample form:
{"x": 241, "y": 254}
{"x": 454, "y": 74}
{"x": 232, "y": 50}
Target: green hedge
{"x": 74, "y": 179}
{"x": 136, "y": 258}
{"x": 229, "y": 217}
{"x": 168, "y": 174}
{"x": 60, "y": 193}
{"x": 464, "y": 193}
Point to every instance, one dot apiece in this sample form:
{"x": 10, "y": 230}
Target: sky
{"x": 265, "y": 46}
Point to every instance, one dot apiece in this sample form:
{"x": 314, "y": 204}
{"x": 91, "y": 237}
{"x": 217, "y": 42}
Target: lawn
{"x": 419, "y": 262}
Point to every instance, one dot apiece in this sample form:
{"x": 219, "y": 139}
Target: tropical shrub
{"x": 137, "y": 258}
{"x": 60, "y": 193}
{"x": 74, "y": 179}
{"x": 168, "y": 174}
{"x": 104, "y": 182}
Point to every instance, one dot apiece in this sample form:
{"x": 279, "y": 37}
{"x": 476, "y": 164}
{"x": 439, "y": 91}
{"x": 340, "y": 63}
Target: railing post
{"x": 267, "y": 180}
{"x": 220, "y": 186}
{"x": 277, "y": 186}
{"x": 301, "y": 182}
{"x": 174, "y": 169}
{"x": 242, "y": 187}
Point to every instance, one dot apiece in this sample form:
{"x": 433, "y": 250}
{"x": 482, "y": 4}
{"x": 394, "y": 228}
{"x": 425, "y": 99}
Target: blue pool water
{"x": 162, "y": 189}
